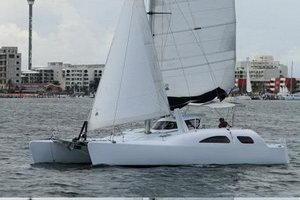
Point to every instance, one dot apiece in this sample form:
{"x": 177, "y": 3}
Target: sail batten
{"x": 131, "y": 88}
{"x": 194, "y": 29}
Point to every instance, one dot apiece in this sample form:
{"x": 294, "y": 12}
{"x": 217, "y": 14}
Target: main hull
{"x": 156, "y": 155}
{"x": 186, "y": 150}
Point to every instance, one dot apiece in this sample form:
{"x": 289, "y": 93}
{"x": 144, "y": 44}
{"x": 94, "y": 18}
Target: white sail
{"x": 196, "y": 44}
{"x": 132, "y": 87}
{"x": 248, "y": 86}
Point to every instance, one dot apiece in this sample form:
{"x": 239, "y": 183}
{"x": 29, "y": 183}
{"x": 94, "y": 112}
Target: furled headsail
{"x": 195, "y": 42}
{"x": 248, "y": 85}
{"x": 131, "y": 88}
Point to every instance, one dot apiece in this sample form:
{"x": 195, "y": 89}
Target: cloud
{"x": 76, "y": 39}
{"x": 292, "y": 55}
{"x": 78, "y": 31}
{"x": 63, "y": 31}
{"x": 269, "y": 27}
{"x": 12, "y": 35}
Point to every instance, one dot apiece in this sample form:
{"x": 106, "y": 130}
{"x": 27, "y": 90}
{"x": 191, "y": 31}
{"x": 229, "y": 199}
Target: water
{"x": 23, "y": 120}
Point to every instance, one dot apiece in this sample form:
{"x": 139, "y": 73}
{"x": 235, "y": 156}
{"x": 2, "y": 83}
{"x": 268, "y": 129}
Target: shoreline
{"x": 20, "y": 96}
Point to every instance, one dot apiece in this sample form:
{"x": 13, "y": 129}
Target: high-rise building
{"x": 57, "y": 68}
{"x": 277, "y": 83}
{"x": 10, "y": 67}
{"x": 31, "y": 76}
{"x": 262, "y": 69}
{"x": 46, "y": 74}
{"x": 82, "y": 77}
{"x": 69, "y": 77}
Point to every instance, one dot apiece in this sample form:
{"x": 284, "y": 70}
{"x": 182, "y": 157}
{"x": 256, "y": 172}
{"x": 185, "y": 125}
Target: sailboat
{"x": 248, "y": 84}
{"x": 185, "y": 55}
{"x": 287, "y": 95}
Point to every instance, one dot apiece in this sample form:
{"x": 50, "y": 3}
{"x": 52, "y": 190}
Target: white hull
{"x": 243, "y": 98}
{"x": 292, "y": 98}
{"x": 186, "y": 150}
{"x": 173, "y": 148}
{"x": 49, "y": 151}
{"x": 238, "y": 98}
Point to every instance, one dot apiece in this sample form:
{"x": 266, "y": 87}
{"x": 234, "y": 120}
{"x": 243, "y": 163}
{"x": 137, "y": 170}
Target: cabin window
{"x": 216, "y": 139}
{"x": 245, "y": 139}
{"x": 193, "y": 123}
{"x": 164, "y": 125}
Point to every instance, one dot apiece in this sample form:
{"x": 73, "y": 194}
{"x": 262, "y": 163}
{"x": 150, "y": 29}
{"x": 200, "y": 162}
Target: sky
{"x": 80, "y": 31}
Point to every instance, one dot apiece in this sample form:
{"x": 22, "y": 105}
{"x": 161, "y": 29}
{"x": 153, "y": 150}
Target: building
{"x": 58, "y": 72}
{"x": 39, "y": 88}
{"x": 82, "y": 77}
{"x": 298, "y": 84}
{"x": 262, "y": 69}
{"x": 31, "y": 76}
{"x": 10, "y": 67}
{"x": 277, "y": 83}
{"x": 46, "y": 74}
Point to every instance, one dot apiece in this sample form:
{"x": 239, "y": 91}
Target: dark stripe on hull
{"x": 179, "y": 102}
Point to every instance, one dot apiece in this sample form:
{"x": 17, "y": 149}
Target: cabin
{"x": 169, "y": 123}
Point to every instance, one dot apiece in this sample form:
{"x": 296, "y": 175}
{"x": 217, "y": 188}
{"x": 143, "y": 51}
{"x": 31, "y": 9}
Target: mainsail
{"x": 132, "y": 88}
{"x": 195, "y": 42}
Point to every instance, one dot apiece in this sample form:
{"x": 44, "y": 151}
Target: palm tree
{"x": 9, "y": 85}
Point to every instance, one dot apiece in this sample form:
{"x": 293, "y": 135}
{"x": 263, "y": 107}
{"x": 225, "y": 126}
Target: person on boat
{"x": 223, "y": 123}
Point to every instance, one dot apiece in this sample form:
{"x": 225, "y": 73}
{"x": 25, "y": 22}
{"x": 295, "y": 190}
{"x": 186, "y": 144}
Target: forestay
{"x": 196, "y": 46}
{"x": 131, "y": 88}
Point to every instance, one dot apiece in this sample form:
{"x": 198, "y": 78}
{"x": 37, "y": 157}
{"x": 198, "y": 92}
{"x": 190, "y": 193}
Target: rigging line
{"x": 199, "y": 42}
{"x": 198, "y": 65}
{"x": 203, "y": 42}
{"x": 227, "y": 115}
{"x": 154, "y": 58}
{"x": 155, "y": 70}
{"x": 180, "y": 60}
{"x": 197, "y": 56}
{"x": 203, "y": 10}
{"x": 163, "y": 45}
{"x": 223, "y": 78}
{"x": 164, "y": 42}
{"x": 98, "y": 89}
{"x": 182, "y": 67}
{"x": 124, "y": 63}
{"x": 219, "y": 113}
{"x": 197, "y": 28}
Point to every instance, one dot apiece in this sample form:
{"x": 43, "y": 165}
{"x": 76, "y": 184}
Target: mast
{"x": 291, "y": 81}
{"x": 150, "y": 4}
{"x": 248, "y": 84}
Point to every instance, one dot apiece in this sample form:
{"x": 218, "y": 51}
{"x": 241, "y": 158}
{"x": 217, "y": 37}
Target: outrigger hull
{"x": 58, "y": 151}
